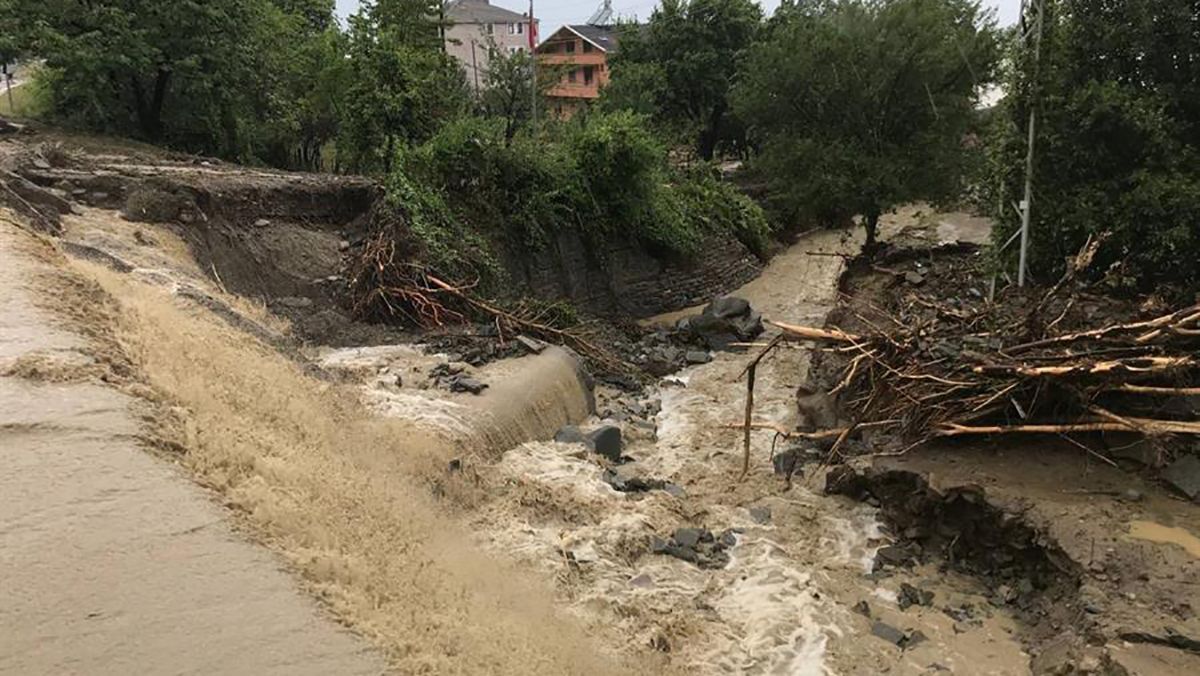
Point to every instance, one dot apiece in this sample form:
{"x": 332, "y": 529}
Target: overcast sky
{"x": 554, "y": 13}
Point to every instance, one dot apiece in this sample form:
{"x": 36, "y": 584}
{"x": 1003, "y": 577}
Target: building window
{"x": 516, "y": 29}
{"x": 587, "y": 75}
{"x": 587, "y": 47}
{"x": 569, "y": 47}
{"x": 571, "y": 75}
{"x": 515, "y": 50}
{"x": 490, "y": 29}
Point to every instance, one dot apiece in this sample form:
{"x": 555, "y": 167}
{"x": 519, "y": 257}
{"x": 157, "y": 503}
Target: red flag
{"x": 532, "y": 28}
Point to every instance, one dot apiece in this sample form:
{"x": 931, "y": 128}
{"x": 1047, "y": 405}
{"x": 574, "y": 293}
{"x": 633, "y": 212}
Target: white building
{"x": 477, "y": 28}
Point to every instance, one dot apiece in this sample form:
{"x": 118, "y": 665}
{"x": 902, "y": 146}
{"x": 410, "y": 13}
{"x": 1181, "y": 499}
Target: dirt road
{"x": 113, "y": 562}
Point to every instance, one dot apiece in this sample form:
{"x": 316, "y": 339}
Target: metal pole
{"x": 1027, "y": 203}
{"x": 532, "y": 70}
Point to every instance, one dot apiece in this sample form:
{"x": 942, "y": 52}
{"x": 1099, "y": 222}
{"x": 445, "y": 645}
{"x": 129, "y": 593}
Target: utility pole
{"x": 533, "y": 87}
{"x": 1027, "y": 203}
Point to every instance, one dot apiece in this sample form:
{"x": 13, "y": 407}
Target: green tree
{"x": 856, "y": 106}
{"x": 401, "y": 84}
{"x": 680, "y": 66}
{"x": 228, "y": 77}
{"x": 1117, "y": 92}
{"x": 506, "y": 93}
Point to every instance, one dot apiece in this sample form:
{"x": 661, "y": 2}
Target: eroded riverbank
{"x": 448, "y": 530}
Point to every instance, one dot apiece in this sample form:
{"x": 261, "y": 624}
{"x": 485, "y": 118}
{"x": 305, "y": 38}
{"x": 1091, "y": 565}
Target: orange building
{"x": 581, "y": 51}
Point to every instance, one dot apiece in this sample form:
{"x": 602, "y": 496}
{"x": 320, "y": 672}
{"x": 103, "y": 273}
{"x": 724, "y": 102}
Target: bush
{"x": 469, "y": 188}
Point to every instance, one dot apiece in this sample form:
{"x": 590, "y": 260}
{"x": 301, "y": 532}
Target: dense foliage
{"x": 229, "y": 77}
{"x": 857, "y": 106}
{"x": 470, "y": 189}
{"x": 401, "y": 85}
{"x": 1118, "y": 140}
{"x": 272, "y": 81}
{"x": 680, "y": 65}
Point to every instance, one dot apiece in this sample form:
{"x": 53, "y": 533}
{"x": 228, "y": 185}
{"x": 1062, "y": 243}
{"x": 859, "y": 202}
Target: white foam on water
{"x": 768, "y": 608}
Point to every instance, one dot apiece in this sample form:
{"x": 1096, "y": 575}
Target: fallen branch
{"x": 809, "y": 333}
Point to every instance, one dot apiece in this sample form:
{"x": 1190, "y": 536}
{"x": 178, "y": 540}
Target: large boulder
{"x": 725, "y": 320}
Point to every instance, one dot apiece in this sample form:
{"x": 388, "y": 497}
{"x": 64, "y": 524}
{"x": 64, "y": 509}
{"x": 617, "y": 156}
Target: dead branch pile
{"x": 388, "y": 283}
{"x": 930, "y": 369}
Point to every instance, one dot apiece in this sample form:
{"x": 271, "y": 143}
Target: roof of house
{"x": 479, "y": 11}
{"x": 603, "y": 37}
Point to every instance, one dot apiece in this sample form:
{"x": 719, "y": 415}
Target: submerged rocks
{"x": 698, "y": 546}
{"x": 901, "y": 639}
{"x": 604, "y": 440}
{"x": 569, "y": 434}
{"x": 453, "y": 376}
{"x": 626, "y": 483}
{"x": 911, "y": 596}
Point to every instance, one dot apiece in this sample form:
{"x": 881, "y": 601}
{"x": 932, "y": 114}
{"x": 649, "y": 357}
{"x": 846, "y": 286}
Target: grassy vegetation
{"x": 23, "y": 101}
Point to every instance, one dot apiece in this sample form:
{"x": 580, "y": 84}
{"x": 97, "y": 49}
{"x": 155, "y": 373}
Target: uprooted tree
{"x": 855, "y": 107}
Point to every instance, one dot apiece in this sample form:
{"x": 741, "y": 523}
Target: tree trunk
{"x": 872, "y": 224}
{"x": 149, "y": 112}
{"x": 709, "y": 135}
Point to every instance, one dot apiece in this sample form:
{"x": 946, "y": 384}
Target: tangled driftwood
{"x": 948, "y": 372}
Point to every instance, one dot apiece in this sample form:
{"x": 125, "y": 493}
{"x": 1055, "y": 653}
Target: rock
{"x": 728, "y": 539}
{"x": 894, "y": 555}
{"x": 642, "y": 581}
{"x": 728, "y": 306}
{"x": 262, "y": 223}
{"x": 697, "y": 357}
{"x": 911, "y": 596}
{"x": 455, "y": 465}
{"x": 760, "y": 514}
{"x": 787, "y": 462}
{"x": 674, "y": 490}
{"x": 464, "y": 383}
{"x": 569, "y": 434}
{"x": 913, "y": 638}
{"x": 1004, "y": 594}
{"x": 914, "y": 278}
{"x": 605, "y": 441}
{"x": 1184, "y": 476}
{"x": 41, "y": 163}
{"x": 888, "y": 633}
{"x": 344, "y": 245}
{"x": 723, "y": 321}
{"x": 456, "y": 367}
{"x": 663, "y": 360}
{"x": 690, "y": 537}
{"x": 698, "y": 546}
{"x": 863, "y": 608}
